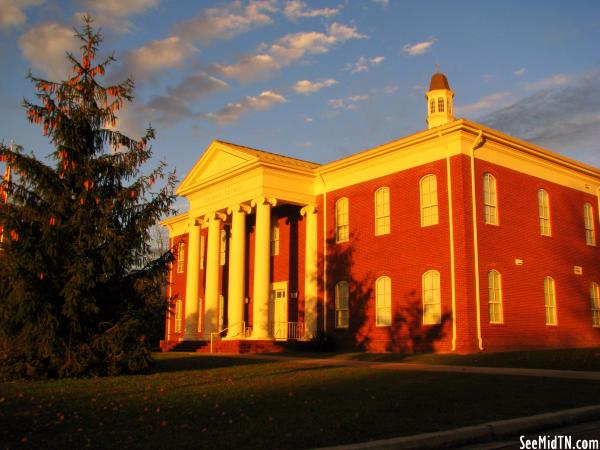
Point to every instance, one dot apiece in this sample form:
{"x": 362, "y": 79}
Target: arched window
{"x": 550, "y": 300}
{"x": 490, "y": 200}
{"x": 223, "y": 248}
{"x": 180, "y": 257}
{"x": 544, "y": 212}
{"x": 495, "y": 296}
{"x": 432, "y": 304}
{"x": 383, "y": 300}
{"x": 382, "y": 211}
{"x": 588, "y": 216}
{"x": 342, "y": 227}
{"x": 595, "y": 304}
{"x": 178, "y": 315}
{"x": 342, "y": 310}
{"x": 429, "y": 201}
{"x": 432, "y": 106}
{"x": 275, "y": 239}
{"x": 440, "y": 104}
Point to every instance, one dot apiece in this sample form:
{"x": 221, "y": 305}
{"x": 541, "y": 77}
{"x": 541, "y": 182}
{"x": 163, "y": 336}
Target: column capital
{"x": 239, "y": 208}
{"x": 195, "y": 222}
{"x": 264, "y": 200}
{"x": 215, "y": 216}
{"x": 308, "y": 209}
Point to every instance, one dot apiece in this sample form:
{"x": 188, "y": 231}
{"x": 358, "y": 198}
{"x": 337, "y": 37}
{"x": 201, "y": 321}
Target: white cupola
{"x": 440, "y": 109}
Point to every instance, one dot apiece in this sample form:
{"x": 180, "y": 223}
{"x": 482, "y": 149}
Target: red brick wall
{"x": 518, "y": 236}
{"x": 404, "y": 255}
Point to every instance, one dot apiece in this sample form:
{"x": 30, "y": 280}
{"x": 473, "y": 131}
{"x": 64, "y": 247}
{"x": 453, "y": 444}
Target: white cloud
{"x": 306, "y": 144}
{"x": 364, "y": 64}
{"x": 564, "y": 116}
{"x": 307, "y": 87}
{"x": 390, "y": 89}
{"x": 348, "y": 103}
{"x": 488, "y": 76}
{"x": 12, "y": 11}
{"x": 519, "y": 72}
{"x": 419, "y": 48}
{"x": 492, "y": 101}
{"x": 285, "y": 51}
{"x": 228, "y": 21}
{"x": 45, "y": 46}
{"x": 112, "y": 13}
{"x": 549, "y": 82}
{"x": 383, "y": 3}
{"x": 232, "y": 112}
{"x": 296, "y": 9}
{"x": 157, "y": 55}
{"x": 176, "y": 103}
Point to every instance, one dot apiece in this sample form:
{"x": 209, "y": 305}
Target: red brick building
{"x": 457, "y": 238}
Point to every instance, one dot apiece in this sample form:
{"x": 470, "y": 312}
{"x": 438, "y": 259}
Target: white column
{"x": 310, "y": 272}
{"x": 261, "y": 326}
{"x": 237, "y": 273}
{"x": 191, "y": 282}
{"x": 211, "y": 301}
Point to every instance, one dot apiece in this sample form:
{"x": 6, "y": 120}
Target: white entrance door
{"x": 279, "y": 308}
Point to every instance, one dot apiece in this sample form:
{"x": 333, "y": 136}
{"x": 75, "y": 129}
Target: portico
{"x": 242, "y": 210}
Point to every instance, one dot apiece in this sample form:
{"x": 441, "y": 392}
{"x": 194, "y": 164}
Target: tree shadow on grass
{"x": 201, "y": 362}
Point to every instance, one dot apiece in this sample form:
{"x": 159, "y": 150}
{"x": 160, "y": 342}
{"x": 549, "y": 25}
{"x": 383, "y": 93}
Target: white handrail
{"x": 218, "y": 333}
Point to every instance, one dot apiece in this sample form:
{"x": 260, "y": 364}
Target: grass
{"x": 201, "y": 401}
{"x": 586, "y": 359}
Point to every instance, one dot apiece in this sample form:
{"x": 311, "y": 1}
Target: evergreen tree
{"x": 78, "y": 288}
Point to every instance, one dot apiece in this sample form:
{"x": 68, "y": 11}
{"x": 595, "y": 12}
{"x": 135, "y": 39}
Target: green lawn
{"x": 563, "y": 359}
{"x": 211, "y": 402}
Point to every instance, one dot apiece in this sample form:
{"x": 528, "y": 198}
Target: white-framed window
{"x": 490, "y": 199}
{"x": 544, "y": 212}
{"x": 495, "y": 296}
{"x": 432, "y": 106}
{"x": 588, "y": 217}
{"x": 180, "y": 257}
{"x": 178, "y": 316}
{"x": 429, "y": 200}
{"x": 342, "y": 226}
{"x": 432, "y": 304}
{"x": 202, "y": 251}
{"x": 595, "y": 303}
{"x": 342, "y": 310}
{"x": 383, "y": 302}
{"x": 440, "y": 104}
{"x": 382, "y": 211}
{"x": 550, "y": 300}
{"x": 275, "y": 239}
{"x": 223, "y": 247}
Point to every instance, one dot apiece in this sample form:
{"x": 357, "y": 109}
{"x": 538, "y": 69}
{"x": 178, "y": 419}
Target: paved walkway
{"x": 412, "y": 367}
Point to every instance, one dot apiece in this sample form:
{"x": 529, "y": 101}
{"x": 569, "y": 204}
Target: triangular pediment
{"x": 218, "y": 160}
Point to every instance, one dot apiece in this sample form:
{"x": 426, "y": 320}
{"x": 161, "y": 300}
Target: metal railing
{"x": 219, "y": 333}
{"x": 288, "y": 331}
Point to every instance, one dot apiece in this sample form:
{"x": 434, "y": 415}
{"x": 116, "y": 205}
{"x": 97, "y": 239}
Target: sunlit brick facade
{"x": 457, "y": 238}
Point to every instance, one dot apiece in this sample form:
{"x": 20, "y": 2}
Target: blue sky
{"x": 319, "y": 80}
